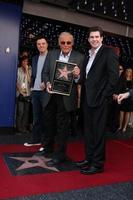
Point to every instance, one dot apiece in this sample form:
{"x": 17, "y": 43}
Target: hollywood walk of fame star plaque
{"x": 63, "y": 78}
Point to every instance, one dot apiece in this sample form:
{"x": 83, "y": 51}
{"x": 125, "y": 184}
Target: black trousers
{"x": 38, "y": 131}
{"x": 94, "y": 132}
{"x": 56, "y": 119}
{"x": 113, "y": 116}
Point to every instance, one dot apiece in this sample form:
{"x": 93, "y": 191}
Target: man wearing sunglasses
{"x": 57, "y": 107}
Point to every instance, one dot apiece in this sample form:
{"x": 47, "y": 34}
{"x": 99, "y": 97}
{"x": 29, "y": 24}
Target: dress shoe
{"x": 25, "y": 132}
{"x": 91, "y": 170}
{"x": 44, "y": 152}
{"x": 82, "y": 163}
{"x": 55, "y": 161}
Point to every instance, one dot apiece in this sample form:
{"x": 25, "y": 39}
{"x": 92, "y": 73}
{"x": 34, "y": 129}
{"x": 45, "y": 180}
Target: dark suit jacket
{"x": 34, "y": 69}
{"x": 70, "y": 102}
{"x": 121, "y": 85}
{"x": 102, "y": 77}
{"x": 131, "y": 93}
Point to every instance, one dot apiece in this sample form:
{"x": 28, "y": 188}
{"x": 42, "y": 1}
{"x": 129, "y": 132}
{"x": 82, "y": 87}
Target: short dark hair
{"x": 39, "y": 37}
{"x": 96, "y": 28}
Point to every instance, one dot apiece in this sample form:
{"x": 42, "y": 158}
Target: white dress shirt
{"x": 92, "y": 55}
{"x": 64, "y": 58}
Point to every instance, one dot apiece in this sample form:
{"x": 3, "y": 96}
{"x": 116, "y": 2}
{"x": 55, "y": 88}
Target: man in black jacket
{"x": 99, "y": 77}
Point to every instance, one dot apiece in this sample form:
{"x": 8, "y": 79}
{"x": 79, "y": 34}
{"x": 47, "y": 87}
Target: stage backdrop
{"x": 10, "y": 15}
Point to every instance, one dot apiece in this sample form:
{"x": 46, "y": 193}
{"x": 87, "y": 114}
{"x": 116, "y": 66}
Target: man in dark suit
{"x": 57, "y": 107}
{"x": 99, "y": 77}
{"x": 38, "y": 91}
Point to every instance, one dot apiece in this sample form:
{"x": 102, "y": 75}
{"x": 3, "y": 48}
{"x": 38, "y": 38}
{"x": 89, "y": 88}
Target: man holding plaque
{"x": 60, "y": 74}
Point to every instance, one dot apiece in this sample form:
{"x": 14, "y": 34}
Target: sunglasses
{"x": 68, "y": 42}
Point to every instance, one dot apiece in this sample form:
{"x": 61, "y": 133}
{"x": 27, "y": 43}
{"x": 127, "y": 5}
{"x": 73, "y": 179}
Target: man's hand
{"x": 76, "y": 71}
{"x": 42, "y": 86}
{"x": 49, "y": 87}
{"x": 115, "y": 96}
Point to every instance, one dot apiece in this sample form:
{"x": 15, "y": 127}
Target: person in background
{"x": 99, "y": 78}
{"x": 127, "y": 105}
{"x": 113, "y": 110}
{"x": 38, "y": 88}
{"x": 130, "y": 123}
{"x": 25, "y": 52}
{"x": 23, "y": 95}
{"x": 57, "y": 108}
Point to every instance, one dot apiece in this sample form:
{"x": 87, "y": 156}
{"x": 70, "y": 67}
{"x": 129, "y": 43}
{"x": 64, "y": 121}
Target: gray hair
{"x": 66, "y": 33}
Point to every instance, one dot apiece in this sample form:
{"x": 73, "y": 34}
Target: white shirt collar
{"x": 67, "y": 55}
{"x": 96, "y": 50}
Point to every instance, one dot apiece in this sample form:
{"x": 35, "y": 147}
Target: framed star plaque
{"x": 63, "y": 78}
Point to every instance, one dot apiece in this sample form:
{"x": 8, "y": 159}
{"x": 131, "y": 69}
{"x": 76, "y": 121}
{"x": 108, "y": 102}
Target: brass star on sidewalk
{"x": 64, "y": 73}
{"x": 34, "y": 161}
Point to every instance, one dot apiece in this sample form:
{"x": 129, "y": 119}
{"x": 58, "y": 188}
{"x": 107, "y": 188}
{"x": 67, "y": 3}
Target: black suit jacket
{"x": 34, "y": 69}
{"x": 102, "y": 77}
{"x": 70, "y": 102}
{"x": 131, "y": 93}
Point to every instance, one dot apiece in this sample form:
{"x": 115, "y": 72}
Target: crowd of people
{"x": 98, "y": 83}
